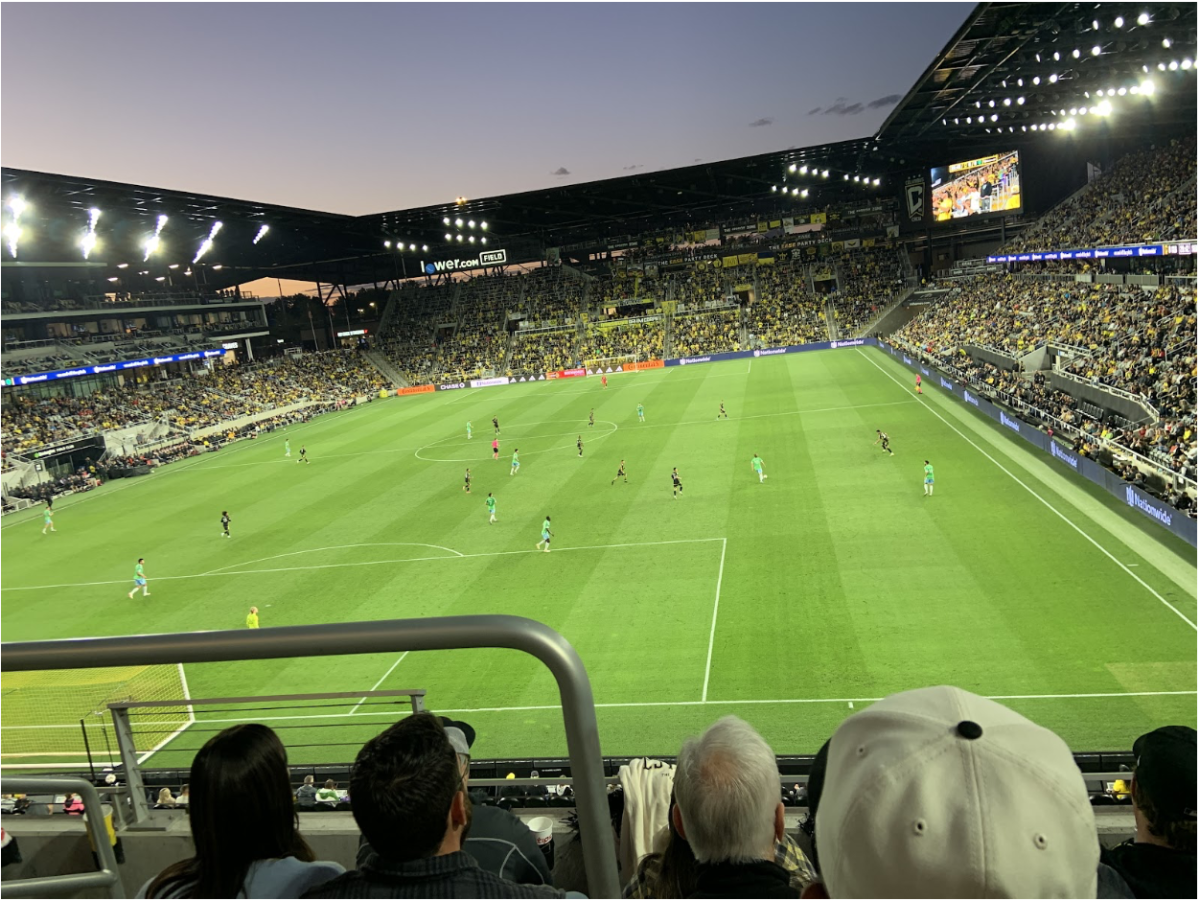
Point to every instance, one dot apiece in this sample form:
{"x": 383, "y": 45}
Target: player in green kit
{"x": 139, "y": 579}
{"x": 928, "y": 478}
{"x": 287, "y": 447}
{"x": 48, "y": 516}
{"x": 641, "y": 413}
{"x": 516, "y": 464}
{"x": 252, "y": 618}
{"x": 546, "y": 535}
{"x": 468, "y": 431}
{"x": 757, "y": 462}
{"x": 491, "y": 508}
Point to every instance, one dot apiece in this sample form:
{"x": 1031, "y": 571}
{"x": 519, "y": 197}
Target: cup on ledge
{"x": 543, "y": 832}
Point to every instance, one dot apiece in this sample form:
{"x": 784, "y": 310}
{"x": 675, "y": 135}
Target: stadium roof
{"x": 1000, "y": 67}
{"x": 1012, "y": 66}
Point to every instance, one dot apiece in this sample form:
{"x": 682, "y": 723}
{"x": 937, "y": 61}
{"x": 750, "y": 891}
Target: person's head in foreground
{"x": 240, "y": 811}
{"x": 409, "y": 790}
{"x": 939, "y": 793}
{"x": 1164, "y": 788}
{"x": 728, "y": 793}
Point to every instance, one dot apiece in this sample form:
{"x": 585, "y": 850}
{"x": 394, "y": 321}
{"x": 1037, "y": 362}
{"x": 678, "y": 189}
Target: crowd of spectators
{"x": 534, "y": 353}
{"x": 1148, "y": 196}
{"x": 625, "y": 339}
{"x": 705, "y": 333}
{"x": 785, "y": 312}
{"x": 224, "y": 394}
{"x": 899, "y": 800}
{"x": 867, "y": 280}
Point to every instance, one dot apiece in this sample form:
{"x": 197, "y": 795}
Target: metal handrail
{"x": 384, "y": 636}
{"x": 107, "y": 877}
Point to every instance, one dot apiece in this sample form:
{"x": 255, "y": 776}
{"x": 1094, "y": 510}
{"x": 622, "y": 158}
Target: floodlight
{"x": 804, "y": 170}
{"x": 114, "y": 279}
{"x": 1144, "y": 19}
{"x": 449, "y": 237}
{"x": 876, "y": 182}
{"x": 471, "y": 223}
{"x": 161, "y": 278}
{"x": 458, "y": 223}
{"x": 207, "y": 244}
{"x": 446, "y": 220}
{"x": 1112, "y": 92}
{"x": 219, "y": 266}
{"x": 795, "y": 191}
{"x": 1119, "y": 22}
{"x": 1147, "y": 88}
{"x": 1008, "y": 101}
{"x": 262, "y": 231}
{"x": 122, "y": 265}
{"x": 1162, "y": 67}
{"x": 1053, "y": 79}
{"x": 1057, "y": 56}
{"x": 804, "y": 193}
{"x": 1166, "y": 43}
{"x": 1020, "y": 101}
{"x": 1104, "y": 109}
{"x": 425, "y": 247}
{"x": 483, "y": 225}
{"x": 1095, "y": 25}
{"x": 471, "y": 239}
{"x": 387, "y": 244}
{"x": 1096, "y": 50}
{"x": 1075, "y": 53}
{"x": 1121, "y": 91}
{"x": 1037, "y": 79}
{"x": 1069, "y": 125}
{"x": 460, "y": 237}
{"x": 774, "y": 188}
{"x": 1186, "y": 64}
{"x": 856, "y": 178}
{"x": 412, "y": 246}
{"x": 825, "y": 174}
{"x": 173, "y": 266}
{"x": 483, "y": 240}
{"x": 846, "y": 177}
{"x": 991, "y": 104}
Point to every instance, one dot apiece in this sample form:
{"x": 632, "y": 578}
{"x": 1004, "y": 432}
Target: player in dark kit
{"x": 579, "y": 444}
{"x": 592, "y": 418}
{"x": 225, "y": 523}
{"x": 467, "y": 482}
{"x": 676, "y": 484}
{"x": 303, "y": 458}
{"x": 722, "y": 413}
{"x": 620, "y": 474}
{"x": 883, "y": 438}
{"x": 496, "y": 425}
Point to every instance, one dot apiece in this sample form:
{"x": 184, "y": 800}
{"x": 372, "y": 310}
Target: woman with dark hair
{"x": 244, "y": 827}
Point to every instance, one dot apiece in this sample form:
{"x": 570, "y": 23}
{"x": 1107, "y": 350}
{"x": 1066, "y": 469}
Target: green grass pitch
{"x": 788, "y": 602}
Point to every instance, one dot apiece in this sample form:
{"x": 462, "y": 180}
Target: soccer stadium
{"x": 663, "y": 508}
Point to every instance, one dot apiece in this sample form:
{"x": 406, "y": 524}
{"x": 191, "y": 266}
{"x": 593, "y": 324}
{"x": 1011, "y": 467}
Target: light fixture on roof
{"x": 88, "y": 241}
{"x": 804, "y": 170}
{"x": 1095, "y": 24}
{"x": 16, "y": 206}
{"x": 994, "y": 117}
{"x": 774, "y": 189}
{"x": 1166, "y": 43}
{"x": 483, "y": 225}
{"x": 1186, "y": 64}
{"x": 1053, "y": 79}
{"x": 1121, "y": 91}
{"x": 1119, "y": 22}
{"x": 1076, "y": 53}
{"x": 804, "y": 193}
{"x": 1112, "y": 92}
{"x": 992, "y": 103}
{"x": 482, "y": 240}
{"x": 219, "y": 267}
{"x": 262, "y": 233}
{"x": 795, "y": 192}
{"x": 114, "y": 279}
{"x": 425, "y": 248}
{"x": 1057, "y": 56}
{"x": 1008, "y": 101}
{"x": 471, "y": 239}
{"x": 1037, "y": 79}
{"x": 1096, "y": 50}
{"x": 446, "y": 220}
{"x": 1104, "y": 108}
{"x": 1020, "y": 101}
{"x": 161, "y": 278}
{"x": 387, "y": 244}
{"x": 173, "y": 266}
{"x": 460, "y": 237}
{"x": 1147, "y": 88}
{"x": 471, "y": 224}
{"x": 792, "y": 167}
{"x": 1069, "y": 125}
{"x": 449, "y": 237}
{"x": 825, "y": 174}
{"x": 876, "y": 182}
{"x": 412, "y": 246}
{"x": 1143, "y": 19}
{"x": 207, "y": 244}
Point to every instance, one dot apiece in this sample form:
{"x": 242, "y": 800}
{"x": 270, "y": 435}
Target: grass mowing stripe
{"x": 1045, "y": 503}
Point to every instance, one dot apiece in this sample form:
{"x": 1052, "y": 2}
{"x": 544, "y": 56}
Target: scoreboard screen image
{"x": 990, "y": 184}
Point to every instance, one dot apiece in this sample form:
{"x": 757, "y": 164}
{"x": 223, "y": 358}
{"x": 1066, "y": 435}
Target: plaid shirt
{"x": 454, "y": 875}
{"x": 788, "y": 855}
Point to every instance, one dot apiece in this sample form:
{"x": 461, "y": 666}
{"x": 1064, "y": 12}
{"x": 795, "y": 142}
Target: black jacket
{"x": 761, "y": 879}
{"x": 1152, "y": 871}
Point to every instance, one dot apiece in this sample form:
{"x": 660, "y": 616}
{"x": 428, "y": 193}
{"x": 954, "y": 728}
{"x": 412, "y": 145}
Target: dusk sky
{"x": 362, "y": 108}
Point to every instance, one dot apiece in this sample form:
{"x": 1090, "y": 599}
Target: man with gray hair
{"x": 728, "y": 808}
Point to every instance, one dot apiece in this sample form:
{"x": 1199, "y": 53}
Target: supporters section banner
{"x": 818, "y": 217}
{"x": 415, "y": 389}
{"x": 1166, "y": 516}
{"x": 1097, "y": 253}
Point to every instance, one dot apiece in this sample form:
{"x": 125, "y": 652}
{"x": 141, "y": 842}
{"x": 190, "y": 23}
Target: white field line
{"x": 1045, "y": 502}
{"x": 380, "y": 682}
{"x": 258, "y": 717}
{"x": 334, "y": 547}
{"x": 712, "y": 632}
{"x": 285, "y": 569}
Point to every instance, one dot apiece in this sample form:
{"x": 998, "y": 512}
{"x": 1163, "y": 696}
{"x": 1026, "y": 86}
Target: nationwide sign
{"x": 1097, "y": 253}
{"x": 111, "y": 367}
{"x": 485, "y": 258}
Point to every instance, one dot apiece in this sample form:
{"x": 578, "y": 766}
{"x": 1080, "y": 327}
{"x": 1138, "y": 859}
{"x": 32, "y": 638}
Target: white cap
{"x": 939, "y": 793}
